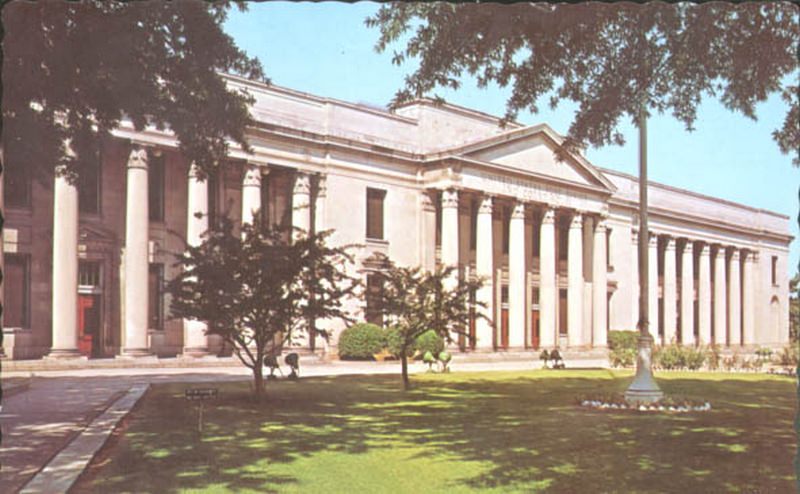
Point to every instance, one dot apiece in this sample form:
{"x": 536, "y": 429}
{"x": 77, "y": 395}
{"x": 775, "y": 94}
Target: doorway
{"x": 90, "y": 309}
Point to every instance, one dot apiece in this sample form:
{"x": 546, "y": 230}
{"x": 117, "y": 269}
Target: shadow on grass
{"x": 517, "y": 431}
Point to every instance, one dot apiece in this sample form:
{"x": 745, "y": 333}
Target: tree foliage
{"x": 608, "y": 58}
{"x": 255, "y": 290}
{"x": 72, "y": 71}
{"x": 415, "y": 301}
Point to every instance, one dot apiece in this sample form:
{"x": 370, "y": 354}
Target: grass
{"x": 461, "y": 432}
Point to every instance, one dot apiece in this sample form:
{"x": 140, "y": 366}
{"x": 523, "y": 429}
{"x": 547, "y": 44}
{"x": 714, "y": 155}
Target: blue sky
{"x": 325, "y": 49}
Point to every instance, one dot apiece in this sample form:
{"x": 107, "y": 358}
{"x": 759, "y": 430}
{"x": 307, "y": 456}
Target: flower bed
{"x": 667, "y": 404}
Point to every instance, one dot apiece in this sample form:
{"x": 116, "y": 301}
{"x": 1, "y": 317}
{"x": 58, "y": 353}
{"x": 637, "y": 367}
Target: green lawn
{"x": 462, "y": 432}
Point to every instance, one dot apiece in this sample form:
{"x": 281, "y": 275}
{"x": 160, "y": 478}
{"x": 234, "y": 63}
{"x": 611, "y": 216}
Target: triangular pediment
{"x": 533, "y": 150}
{"x": 96, "y": 233}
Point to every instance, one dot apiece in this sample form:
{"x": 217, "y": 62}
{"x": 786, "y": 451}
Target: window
{"x": 89, "y": 274}
{"x": 17, "y": 291}
{"x": 775, "y": 270}
{"x": 155, "y": 180}
{"x": 265, "y": 198}
{"x": 374, "y": 313}
{"x": 375, "y": 199}
{"x": 155, "y": 293}
{"x": 213, "y": 197}
{"x": 89, "y": 186}
{"x": 17, "y": 186}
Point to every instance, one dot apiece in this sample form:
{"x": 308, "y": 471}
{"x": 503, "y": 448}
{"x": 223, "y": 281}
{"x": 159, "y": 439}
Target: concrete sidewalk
{"x": 59, "y": 405}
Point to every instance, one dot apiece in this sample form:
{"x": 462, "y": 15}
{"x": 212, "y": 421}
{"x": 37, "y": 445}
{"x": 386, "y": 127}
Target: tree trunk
{"x": 258, "y": 381}
{"x": 404, "y": 361}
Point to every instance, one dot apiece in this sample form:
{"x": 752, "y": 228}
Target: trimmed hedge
{"x": 622, "y": 347}
{"x": 429, "y": 341}
{"x": 361, "y": 341}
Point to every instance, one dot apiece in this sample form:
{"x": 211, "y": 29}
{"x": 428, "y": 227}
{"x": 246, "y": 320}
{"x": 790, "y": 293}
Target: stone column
{"x": 136, "y": 255}
{"x": 301, "y": 218}
{"x": 635, "y": 279}
{"x": 484, "y": 268}
{"x": 319, "y": 203}
{"x": 720, "y": 302}
{"x": 251, "y": 193}
{"x": 301, "y": 205}
{"x": 704, "y": 295}
{"x": 748, "y": 300}
{"x": 516, "y": 277}
{"x": 652, "y": 266}
{"x": 195, "y": 340}
{"x": 600, "y": 286}
{"x": 670, "y": 293}
{"x": 548, "y": 332}
{"x": 735, "y": 300}
{"x": 450, "y": 228}
{"x": 575, "y": 281}
{"x": 65, "y": 268}
{"x": 687, "y": 294}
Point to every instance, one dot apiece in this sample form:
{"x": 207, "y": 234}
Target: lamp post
{"x": 643, "y": 389}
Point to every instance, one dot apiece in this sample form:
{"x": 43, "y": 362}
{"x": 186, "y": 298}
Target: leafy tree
{"x": 415, "y": 301}
{"x": 253, "y": 289}
{"x": 73, "y": 70}
{"x": 608, "y": 58}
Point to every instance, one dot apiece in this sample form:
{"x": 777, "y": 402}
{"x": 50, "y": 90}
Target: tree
{"x": 794, "y": 308}
{"x": 415, "y": 301}
{"x": 612, "y": 60}
{"x": 73, "y": 70}
{"x": 253, "y": 289}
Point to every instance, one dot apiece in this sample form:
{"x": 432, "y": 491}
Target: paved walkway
{"x": 58, "y": 405}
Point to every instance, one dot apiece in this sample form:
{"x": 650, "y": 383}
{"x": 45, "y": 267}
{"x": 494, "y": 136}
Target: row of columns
{"x": 729, "y": 310}
{"x": 136, "y": 256}
{"x": 517, "y": 293}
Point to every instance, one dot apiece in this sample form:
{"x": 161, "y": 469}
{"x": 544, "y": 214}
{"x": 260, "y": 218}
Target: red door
{"x": 88, "y": 324}
{"x": 535, "y": 329}
{"x": 504, "y": 329}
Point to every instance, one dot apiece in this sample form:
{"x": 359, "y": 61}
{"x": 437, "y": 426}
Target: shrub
{"x": 361, "y": 342}
{"x": 429, "y": 341}
{"x": 764, "y": 354}
{"x": 669, "y": 357}
{"x": 695, "y": 358}
{"x": 622, "y": 347}
{"x": 788, "y": 355}
{"x": 392, "y": 340}
{"x": 714, "y": 357}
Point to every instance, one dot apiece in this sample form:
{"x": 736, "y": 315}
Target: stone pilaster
{"x": 484, "y": 268}
{"x": 600, "y": 286}
{"x": 687, "y": 294}
{"x": 734, "y": 300}
{"x": 450, "y": 228}
{"x": 704, "y": 295}
{"x": 320, "y": 222}
{"x": 516, "y": 277}
{"x": 428, "y": 234}
{"x": 575, "y": 281}
{"x": 548, "y": 332}
{"x": 136, "y": 255}
{"x": 670, "y": 293}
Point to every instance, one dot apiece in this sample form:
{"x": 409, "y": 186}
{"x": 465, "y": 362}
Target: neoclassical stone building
{"x": 426, "y": 184}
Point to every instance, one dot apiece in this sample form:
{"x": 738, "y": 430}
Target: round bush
{"x": 361, "y": 342}
{"x": 429, "y": 341}
{"x": 393, "y": 341}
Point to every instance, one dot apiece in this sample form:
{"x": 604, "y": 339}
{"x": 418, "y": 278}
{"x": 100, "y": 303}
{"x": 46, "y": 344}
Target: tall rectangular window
{"x": 16, "y": 313}
{"x": 506, "y": 228}
{"x": 473, "y": 225}
{"x": 213, "y": 197}
{"x": 374, "y": 313}
{"x": 17, "y": 186}
{"x": 375, "y": 199}
{"x": 774, "y": 270}
{"x": 155, "y": 293}
{"x": 155, "y": 180}
{"x": 89, "y": 186}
